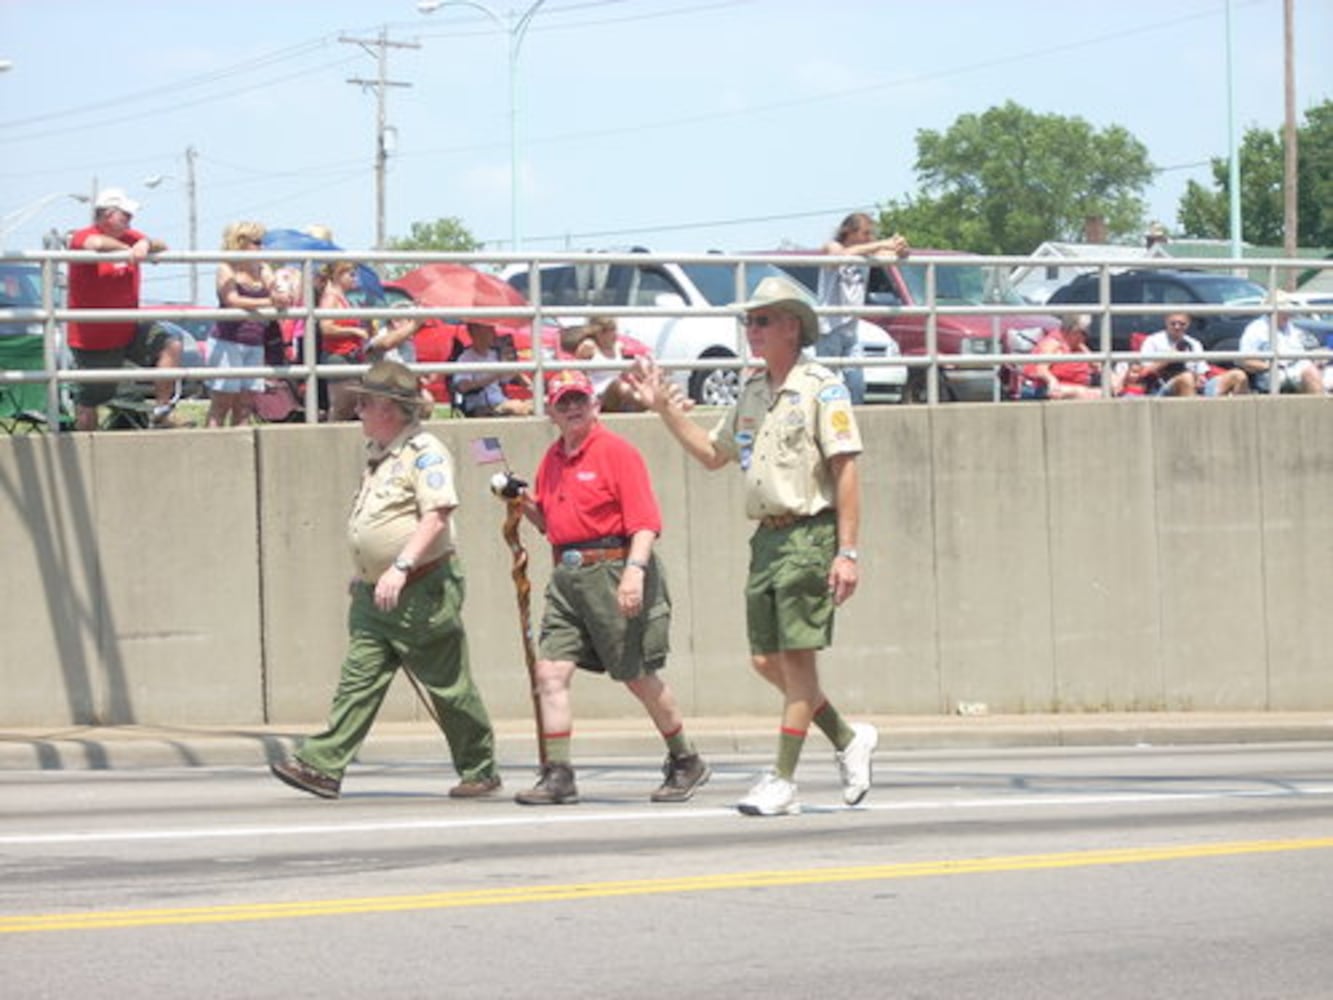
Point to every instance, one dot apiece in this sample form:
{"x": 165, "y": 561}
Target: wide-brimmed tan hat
{"x": 783, "y": 293}
{"x": 391, "y": 379}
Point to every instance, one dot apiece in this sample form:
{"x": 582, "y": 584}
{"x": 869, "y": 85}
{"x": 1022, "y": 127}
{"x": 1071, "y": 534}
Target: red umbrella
{"x": 457, "y": 286}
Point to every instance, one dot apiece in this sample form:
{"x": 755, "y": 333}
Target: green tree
{"x": 444, "y": 235}
{"x": 1206, "y": 212}
{"x": 1009, "y": 179}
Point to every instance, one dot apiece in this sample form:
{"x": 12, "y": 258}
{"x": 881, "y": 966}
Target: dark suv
{"x": 1176, "y": 289}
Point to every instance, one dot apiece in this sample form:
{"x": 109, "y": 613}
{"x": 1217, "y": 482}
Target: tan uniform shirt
{"x": 413, "y": 475}
{"x": 783, "y": 440}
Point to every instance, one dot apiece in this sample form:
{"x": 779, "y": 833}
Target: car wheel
{"x": 716, "y": 386}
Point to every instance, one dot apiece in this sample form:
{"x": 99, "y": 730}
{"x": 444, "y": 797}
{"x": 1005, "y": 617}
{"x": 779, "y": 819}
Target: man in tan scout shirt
{"x": 795, "y": 437}
{"x": 406, "y": 599}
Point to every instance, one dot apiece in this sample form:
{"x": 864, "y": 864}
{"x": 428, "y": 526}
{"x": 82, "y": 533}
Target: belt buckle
{"x": 572, "y": 558}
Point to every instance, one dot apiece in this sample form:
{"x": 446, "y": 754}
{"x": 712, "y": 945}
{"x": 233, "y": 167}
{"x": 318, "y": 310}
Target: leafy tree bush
{"x": 1009, "y": 179}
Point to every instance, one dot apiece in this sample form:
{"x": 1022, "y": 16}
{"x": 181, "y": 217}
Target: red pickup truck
{"x": 903, "y": 284}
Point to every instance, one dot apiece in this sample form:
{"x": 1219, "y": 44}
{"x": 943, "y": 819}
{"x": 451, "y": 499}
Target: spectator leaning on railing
{"x": 114, "y": 284}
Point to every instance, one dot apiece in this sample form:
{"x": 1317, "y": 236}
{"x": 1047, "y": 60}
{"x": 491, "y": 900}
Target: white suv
{"x": 669, "y": 285}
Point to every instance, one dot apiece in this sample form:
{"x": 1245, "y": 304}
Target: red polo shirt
{"x": 602, "y": 488}
{"x": 113, "y": 284}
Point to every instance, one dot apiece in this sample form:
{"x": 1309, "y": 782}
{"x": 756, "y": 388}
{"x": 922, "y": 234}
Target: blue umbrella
{"x": 294, "y": 239}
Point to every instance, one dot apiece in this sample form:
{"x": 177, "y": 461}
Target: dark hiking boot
{"x": 555, "y": 787}
{"x": 300, "y": 775}
{"x": 476, "y": 788}
{"x": 683, "y": 775}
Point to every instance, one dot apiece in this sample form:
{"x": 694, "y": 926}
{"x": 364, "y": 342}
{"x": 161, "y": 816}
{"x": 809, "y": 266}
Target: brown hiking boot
{"x": 555, "y": 787}
{"x": 683, "y": 775}
{"x": 299, "y": 774}
{"x": 475, "y": 788}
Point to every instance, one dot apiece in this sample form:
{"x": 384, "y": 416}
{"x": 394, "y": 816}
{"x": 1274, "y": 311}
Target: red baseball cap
{"x": 561, "y": 384}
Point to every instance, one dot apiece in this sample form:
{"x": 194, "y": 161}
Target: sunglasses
{"x": 759, "y": 321}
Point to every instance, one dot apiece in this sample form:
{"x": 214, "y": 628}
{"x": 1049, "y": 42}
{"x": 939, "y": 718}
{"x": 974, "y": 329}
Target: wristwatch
{"x": 405, "y": 565}
{"x": 851, "y": 554}
{"x": 640, "y": 563}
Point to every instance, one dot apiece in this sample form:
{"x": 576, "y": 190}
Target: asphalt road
{"x": 1071, "y": 873}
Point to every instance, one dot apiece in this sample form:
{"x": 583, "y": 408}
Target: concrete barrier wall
{"x": 1082, "y": 557}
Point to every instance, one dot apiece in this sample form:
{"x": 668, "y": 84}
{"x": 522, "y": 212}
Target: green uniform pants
{"x": 425, "y": 633}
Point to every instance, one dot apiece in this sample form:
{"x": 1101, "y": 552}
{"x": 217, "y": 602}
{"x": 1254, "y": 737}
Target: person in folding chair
{"x": 482, "y": 394}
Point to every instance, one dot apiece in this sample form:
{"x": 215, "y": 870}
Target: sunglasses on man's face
{"x": 760, "y": 321}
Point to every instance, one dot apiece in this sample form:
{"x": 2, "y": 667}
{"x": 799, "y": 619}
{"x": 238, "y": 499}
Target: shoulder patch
{"x": 430, "y": 458}
{"x": 830, "y": 393}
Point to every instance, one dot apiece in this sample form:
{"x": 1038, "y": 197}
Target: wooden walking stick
{"x": 508, "y": 487}
{"x": 523, "y": 594}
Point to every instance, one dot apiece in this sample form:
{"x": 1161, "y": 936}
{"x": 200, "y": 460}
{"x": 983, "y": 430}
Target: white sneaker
{"x": 771, "y": 796}
{"x": 854, "y": 762}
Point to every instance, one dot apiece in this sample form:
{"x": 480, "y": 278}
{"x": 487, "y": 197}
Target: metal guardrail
{"x": 52, "y": 316}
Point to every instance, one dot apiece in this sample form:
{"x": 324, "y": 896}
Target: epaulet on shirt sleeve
{"x": 821, "y": 376}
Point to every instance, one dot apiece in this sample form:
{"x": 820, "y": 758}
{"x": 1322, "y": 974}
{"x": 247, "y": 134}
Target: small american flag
{"x": 486, "y": 451}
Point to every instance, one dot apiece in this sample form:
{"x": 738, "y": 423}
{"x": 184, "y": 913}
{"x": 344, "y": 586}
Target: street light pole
{"x": 516, "y": 27}
{"x": 9, "y": 223}
{"x": 192, "y": 208}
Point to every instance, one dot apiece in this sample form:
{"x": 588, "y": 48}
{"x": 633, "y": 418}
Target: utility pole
{"x": 381, "y": 83}
{"x": 1289, "y": 173}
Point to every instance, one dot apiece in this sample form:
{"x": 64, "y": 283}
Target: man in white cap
{"x": 114, "y": 284}
{"x": 795, "y": 437}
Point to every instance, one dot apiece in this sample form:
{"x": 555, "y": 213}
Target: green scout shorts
{"x": 583, "y": 624}
{"x": 787, "y": 601}
{"x": 150, "y": 339}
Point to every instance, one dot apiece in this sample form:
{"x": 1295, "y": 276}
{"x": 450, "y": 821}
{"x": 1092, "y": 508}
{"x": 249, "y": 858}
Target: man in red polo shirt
{"x": 607, "y": 606}
{"x": 114, "y": 284}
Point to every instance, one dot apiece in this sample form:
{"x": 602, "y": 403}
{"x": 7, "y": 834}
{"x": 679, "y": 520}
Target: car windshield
{"x": 717, "y": 282}
{"x": 1225, "y": 290}
{"x": 961, "y": 285}
{"x": 20, "y": 287}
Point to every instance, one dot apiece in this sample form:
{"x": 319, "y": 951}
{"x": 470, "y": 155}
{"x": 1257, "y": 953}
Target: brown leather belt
{"x": 779, "y": 522}
{"x": 417, "y": 572}
{"x": 574, "y": 556}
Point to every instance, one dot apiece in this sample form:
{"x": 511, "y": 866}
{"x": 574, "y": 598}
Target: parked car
{"x": 681, "y": 337}
{"x": 904, "y": 284}
{"x": 1174, "y": 288}
{"x": 20, "y": 288}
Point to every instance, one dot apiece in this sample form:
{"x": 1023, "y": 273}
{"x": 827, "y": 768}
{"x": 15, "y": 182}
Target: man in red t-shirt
{"x": 607, "y": 606}
{"x": 115, "y": 285}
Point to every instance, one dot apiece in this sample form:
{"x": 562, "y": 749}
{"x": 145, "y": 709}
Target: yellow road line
{"x": 242, "y": 912}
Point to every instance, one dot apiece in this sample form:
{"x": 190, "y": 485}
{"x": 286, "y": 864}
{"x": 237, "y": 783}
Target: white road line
{"x": 568, "y": 816}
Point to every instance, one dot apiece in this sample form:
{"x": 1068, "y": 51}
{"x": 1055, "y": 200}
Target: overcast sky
{"x": 672, "y": 124}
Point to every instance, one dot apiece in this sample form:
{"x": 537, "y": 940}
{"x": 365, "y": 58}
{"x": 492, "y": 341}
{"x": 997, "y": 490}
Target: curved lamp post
{"x": 192, "y": 203}
{"x": 16, "y": 218}
{"x": 516, "y": 27}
